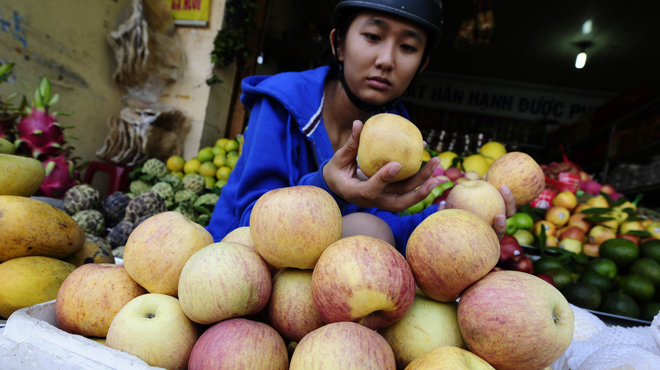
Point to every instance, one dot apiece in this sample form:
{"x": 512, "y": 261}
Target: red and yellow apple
{"x": 515, "y": 320}
{"x": 224, "y": 280}
{"x": 281, "y": 222}
{"x": 91, "y": 296}
{"x": 599, "y": 233}
{"x": 363, "y": 279}
{"x": 157, "y": 249}
{"x": 558, "y": 215}
{"x": 343, "y": 345}
{"x": 291, "y": 309}
{"x": 449, "y": 358}
{"x": 239, "y": 343}
{"x": 450, "y": 250}
{"x": 520, "y": 173}
{"x": 479, "y": 197}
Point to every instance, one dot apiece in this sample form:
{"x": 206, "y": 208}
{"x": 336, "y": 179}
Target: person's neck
{"x": 339, "y": 113}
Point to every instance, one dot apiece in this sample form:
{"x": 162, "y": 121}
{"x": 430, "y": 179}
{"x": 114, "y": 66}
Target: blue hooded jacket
{"x": 286, "y": 144}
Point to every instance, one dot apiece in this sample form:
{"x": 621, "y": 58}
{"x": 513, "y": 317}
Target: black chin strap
{"x": 359, "y": 103}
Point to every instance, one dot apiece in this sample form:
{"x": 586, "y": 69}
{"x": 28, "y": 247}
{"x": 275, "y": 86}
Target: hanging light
{"x": 581, "y": 60}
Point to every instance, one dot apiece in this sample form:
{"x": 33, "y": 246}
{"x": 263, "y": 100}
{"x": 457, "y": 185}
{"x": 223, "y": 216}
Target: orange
{"x": 175, "y": 163}
{"x": 493, "y": 149}
{"x": 207, "y": 169}
{"x": 565, "y": 199}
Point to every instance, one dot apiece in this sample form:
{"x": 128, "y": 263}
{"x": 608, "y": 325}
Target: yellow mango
{"x": 20, "y": 175}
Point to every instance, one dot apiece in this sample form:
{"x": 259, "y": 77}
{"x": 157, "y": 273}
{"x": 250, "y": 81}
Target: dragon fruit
{"x": 39, "y": 133}
{"x": 61, "y": 175}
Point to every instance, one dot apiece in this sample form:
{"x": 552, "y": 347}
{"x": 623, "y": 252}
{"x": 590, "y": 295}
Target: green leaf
{"x": 642, "y": 233}
{"x": 598, "y": 218}
{"x": 596, "y": 210}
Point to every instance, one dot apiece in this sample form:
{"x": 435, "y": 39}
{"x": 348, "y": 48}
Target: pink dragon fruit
{"x": 39, "y": 134}
{"x": 61, "y": 175}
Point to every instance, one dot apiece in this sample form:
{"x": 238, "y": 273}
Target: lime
{"x": 523, "y": 220}
{"x": 231, "y": 145}
{"x": 223, "y": 173}
{"x": 175, "y": 163}
{"x": 650, "y": 249}
{"x": 600, "y": 281}
{"x": 649, "y": 310}
{"x": 636, "y": 286}
{"x": 622, "y": 251}
{"x": 209, "y": 181}
{"x": 205, "y": 154}
{"x": 218, "y": 150}
{"x": 191, "y": 166}
{"x": 546, "y": 263}
{"x": 647, "y": 267}
{"x": 222, "y": 142}
{"x": 220, "y": 160}
{"x": 583, "y": 294}
{"x": 232, "y": 158}
{"x": 560, "y": 276}
{"x": 618, "y": 303}
{"x": 220, "y": 183}
{"x": 603, "y": 266}
{"x": 207, "y": 169}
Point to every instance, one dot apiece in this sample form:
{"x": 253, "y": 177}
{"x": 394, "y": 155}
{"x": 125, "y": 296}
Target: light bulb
{"x": 580, "y": 60}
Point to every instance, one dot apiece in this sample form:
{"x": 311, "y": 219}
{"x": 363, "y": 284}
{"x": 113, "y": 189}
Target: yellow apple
{"x": 449, "y": 358}
{"x": 571, "y": 245}
{"x": 599, "y": 233}
{"x": 654, "y": 229}
{"x": 558, "y": 215}
{"x": 388, "y": 137}
{"x": 427, "y": 325}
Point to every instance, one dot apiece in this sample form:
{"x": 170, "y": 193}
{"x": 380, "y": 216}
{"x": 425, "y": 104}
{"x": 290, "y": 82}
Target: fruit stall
{"x": 106, "y": 262}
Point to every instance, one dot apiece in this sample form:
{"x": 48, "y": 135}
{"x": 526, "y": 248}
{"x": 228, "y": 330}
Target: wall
{"x": 66, "y": 40}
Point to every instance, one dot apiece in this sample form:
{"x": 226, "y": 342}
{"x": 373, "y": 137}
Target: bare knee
{"x": 361, "y": 223}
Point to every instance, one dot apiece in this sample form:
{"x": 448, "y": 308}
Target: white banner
{"x": 503, "y": 98}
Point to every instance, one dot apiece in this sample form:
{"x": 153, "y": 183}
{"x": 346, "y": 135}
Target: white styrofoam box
{"x": 32, "y": 340}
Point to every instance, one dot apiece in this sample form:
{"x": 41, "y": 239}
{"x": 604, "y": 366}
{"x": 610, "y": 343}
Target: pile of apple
{"x": 290, "y": 292}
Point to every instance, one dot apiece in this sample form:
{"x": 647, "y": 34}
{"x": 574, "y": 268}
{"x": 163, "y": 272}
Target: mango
{"x": 6, "y": 146}
{"x": 91, "y": 253}
{"x": 30, "y": 280}
{"x": 30, "y": 227}
{"x": 20, "y": 175}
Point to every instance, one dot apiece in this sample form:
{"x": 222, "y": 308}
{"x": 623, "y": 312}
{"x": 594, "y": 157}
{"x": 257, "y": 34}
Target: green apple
{"x": 523, "y": 220}
{"x": 511, "y": 226}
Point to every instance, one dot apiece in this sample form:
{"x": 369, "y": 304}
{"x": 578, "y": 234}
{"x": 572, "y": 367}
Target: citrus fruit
{"x": 205, "y": 154}
{"x": 223, "y": 173}
{"x": 175, "y": 163}
{"x": 565, "y": 199}
{"x": 602, "y": 282}
{"x": 207, "y": 169}
{"x": 209, "y": 181}
{"x": 546, "y": 263}
{"x": 650, "y": 249}
{"x": 649, "y": 310}
{"x": 477, "y": 163}
{"x": 232, "y": 158}
{"x": 622, "y": 251}
{"x": 446, "y": 158}
{"x": 560, "y": 276}
{"x": 191, "y": 166}
{"x": 492, "y": 149}
{"x": 231, "y": 145}
{"x": 647, "y": 267}
{"x": 603, "y": 266}
{"x": 636, "y": 286}
{"x": 426, "y": 156}
{"x": 220, "y": 183}
{"x": 622, "y": 304}
{"x": 583, "y": 294}
{"x": 222, "y": 142}
{"x": 220, "y": 160}
{"x": 218, "y": 150}
{"x": 523, "y": 220}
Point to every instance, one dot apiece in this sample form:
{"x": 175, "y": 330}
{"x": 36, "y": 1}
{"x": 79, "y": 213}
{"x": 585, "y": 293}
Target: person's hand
{"x": 499, "y": 222}
{"x": 342, "y": 176}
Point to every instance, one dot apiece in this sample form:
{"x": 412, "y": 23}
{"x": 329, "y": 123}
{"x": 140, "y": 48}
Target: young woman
{"x": 304, "y": 127}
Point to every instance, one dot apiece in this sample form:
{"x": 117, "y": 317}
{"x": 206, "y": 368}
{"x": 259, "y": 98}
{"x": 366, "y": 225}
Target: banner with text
{"x": 503, "y": 98}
